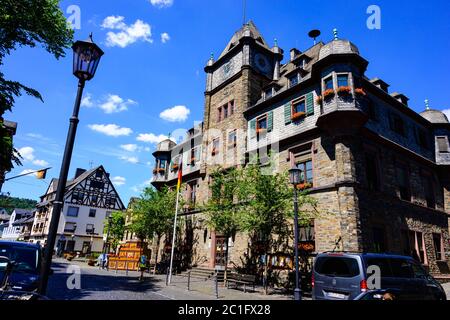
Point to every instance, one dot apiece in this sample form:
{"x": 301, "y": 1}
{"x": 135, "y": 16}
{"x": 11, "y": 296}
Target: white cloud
{"x": 175, "y": 114}
{"x": 151, "y": 138}
{"x": 161, "y": 3}
{"x": 119, "y": 181}
{"x": 165, "y": 37}
{"x": 112, "y": 130}
{"x": 27, "y": 154}
{"x": 87, "y": 101}
{"x": 139, "y": 188}
{"x": 129, "y": 147}
{"x": 127, "y": 34}
{"x": 28, "y": 171}
{"x": 114, "y": 104}
{"x": 130, "y": 159}
{"x": 41, "y": 163}
{"x": 447, "y": 113}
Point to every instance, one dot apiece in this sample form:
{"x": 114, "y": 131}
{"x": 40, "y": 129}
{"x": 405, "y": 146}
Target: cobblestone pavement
{"x": 99, "y": 284}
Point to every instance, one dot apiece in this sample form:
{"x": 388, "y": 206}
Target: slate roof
{"x": 252, "y": 30}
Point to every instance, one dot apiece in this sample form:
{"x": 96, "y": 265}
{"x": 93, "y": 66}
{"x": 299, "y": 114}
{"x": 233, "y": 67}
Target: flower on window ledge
{"x": 160, "y": 170}
{"x": 360, "y": 92}
{"x": 319, "y": 100}
{"x": 155, "y": 171}
{"x": 193, "y": 160}
{"x": 304, "y": 186}
{"x": 328, "y": 94}
{"x": 175, "y": 167}
{"x": 261, "y": 130}
{"x": 297, "y": 116}
{"x": 344, "y": 90}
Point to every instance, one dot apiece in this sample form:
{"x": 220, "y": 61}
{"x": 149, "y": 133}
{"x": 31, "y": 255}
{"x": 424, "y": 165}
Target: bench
{"x": 241, "y": 279}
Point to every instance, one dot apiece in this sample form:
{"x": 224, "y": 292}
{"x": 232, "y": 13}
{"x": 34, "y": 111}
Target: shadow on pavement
{"x": 96, "y": 286}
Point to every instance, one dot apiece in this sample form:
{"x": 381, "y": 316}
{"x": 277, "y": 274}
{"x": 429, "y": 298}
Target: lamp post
{"x": 86, "y": 57}
{"x": 295, "y": 177}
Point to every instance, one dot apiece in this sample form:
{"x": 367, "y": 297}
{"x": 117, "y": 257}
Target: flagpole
{"x": 173, "y": 237}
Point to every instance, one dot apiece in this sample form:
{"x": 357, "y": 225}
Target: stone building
{"x": 379, "y": 170}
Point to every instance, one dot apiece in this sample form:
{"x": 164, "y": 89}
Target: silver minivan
{"x": 343, "y": 276}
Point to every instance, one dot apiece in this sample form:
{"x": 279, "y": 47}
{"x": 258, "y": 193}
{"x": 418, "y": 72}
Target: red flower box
{"x": 328, "y": 94}
{"x": 297, "y": 116}
{"x": 360, "y": 92}
{"x": 304, "y": 186}
{"x": 343, "y": 91}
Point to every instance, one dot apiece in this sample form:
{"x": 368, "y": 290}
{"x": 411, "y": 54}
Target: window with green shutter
{"x": 270, "y": 121}
{"x": 310, "y": 104}
{"x": 287, "y": 113}
{"x": 252, "y": 128}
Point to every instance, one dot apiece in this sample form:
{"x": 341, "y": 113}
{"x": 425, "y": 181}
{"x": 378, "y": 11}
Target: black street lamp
{"x": 86, "y": 57}
{"x": 295, "y": 179}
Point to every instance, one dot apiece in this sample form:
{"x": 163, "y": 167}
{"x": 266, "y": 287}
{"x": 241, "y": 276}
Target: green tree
{"x": 26, "y": 23}
{"x": 224, "y": 209}
{"x": 116, "y": 229}
{"x": 153, "y": 214}
{"x": 269, "y": 209}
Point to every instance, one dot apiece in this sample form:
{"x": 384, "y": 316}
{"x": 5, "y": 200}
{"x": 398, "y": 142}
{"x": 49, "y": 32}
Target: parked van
{"x": 343, "y": 276}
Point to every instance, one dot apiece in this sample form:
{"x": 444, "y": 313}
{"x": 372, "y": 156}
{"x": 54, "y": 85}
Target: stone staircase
{"x": 204, "y": 273}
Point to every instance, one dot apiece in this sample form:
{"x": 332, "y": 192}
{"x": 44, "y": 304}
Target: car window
{"x": 25, "y": 258}
{"x": 401, "y": 268}
{"x": 382, "y": 263}
{"x": 337, "y": 266}
{"x": 419, "y": 272}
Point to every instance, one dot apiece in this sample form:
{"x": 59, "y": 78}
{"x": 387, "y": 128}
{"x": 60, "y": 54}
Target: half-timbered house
{"x": 90, "y": 197}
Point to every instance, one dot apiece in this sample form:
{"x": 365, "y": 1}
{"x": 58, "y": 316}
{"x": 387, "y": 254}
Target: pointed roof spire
{"x": 275, "y": 42}
{"x": 427, "y": 104}
{"x": 249, "y": 29}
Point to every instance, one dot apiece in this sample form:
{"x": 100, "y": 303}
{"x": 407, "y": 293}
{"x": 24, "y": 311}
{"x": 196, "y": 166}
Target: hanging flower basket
{"x": 319, "y": 100}
{"x": 344, "y": 90}
{"x": 304, "y": 186}
{"x": 297, "y": 116}
{"x": 328, "y": 94}
{"x": 360, "y": 92}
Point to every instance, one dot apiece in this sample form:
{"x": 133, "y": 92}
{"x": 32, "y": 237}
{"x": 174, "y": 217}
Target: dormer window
{"x": 442, "y": 143}
{"x": 293, "y": 80}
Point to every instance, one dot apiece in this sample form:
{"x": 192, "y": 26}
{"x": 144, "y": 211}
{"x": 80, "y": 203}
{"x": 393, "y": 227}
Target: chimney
{"x": 400, "y": 97}
{"x": 79, "y": 172}
{"x": 294, "y": 53}
{"x": 380, "y": 84}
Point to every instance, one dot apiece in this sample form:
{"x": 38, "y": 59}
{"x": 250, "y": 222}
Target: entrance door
{"x": 86, "y": 247}
{"x": 70, "y": 246}
{"x": 220, "y": 258}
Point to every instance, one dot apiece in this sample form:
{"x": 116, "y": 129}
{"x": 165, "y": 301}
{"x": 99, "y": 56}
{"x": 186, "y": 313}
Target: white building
{"x": 89, "y": 199}
{"x": 12, "y": 231}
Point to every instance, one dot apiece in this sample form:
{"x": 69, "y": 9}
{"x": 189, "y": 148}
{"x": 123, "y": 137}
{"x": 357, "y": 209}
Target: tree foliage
{"x": 10, "y": 203}
{"x": 27, "y": 23}
{"x": 116, "y": 229}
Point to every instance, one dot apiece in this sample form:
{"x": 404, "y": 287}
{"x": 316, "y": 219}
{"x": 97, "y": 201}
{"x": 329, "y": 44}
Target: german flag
{"x": 180, "y": 175}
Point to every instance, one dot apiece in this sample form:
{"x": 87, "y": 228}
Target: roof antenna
{"x": 91, "y": 164}
{"x": 244, "y": 9}
{"x": 314, "y": 34}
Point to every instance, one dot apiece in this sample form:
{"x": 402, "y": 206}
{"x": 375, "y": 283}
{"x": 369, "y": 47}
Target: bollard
{"x": 167, "y": 277}
{"x": 117, "y": 264}
{"x": 126, "y": 271}
{"x": 216, "y": 285}
{"x": 189, "y": 280}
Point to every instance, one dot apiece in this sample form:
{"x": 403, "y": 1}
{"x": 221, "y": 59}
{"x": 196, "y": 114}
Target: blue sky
{"x": 129, "y": 104}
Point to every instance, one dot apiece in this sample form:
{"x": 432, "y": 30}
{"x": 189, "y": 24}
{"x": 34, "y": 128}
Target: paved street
{"x": 108, "y": 285}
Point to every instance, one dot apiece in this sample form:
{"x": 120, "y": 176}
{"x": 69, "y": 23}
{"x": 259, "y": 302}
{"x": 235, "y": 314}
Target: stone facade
{"x": 376, "y": 167}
